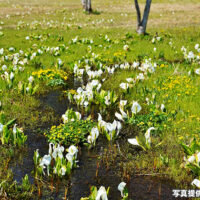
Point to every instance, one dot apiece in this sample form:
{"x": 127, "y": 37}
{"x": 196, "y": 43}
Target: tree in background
{"x": 87, "y": 5}
{"x": 142, "y": 24}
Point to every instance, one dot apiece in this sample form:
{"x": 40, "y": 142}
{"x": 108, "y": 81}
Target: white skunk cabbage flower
{"x": 101, "y": 194}
{"x": 148, "y": 135}
{"x": 73, "y": 150}
{"x": 133, "y": 141}
{"x": 136, "y": 108}
{"x": 121, "y": 187}
{"x": 196, "y": 182}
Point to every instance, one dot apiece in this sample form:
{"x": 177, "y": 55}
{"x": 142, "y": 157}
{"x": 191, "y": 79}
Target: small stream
{"x": 140, "y": 188}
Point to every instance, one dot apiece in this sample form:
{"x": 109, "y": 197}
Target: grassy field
{"x": 46, "y": 32}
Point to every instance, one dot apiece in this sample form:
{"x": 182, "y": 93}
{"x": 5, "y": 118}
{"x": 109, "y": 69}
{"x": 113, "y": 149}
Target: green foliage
{"x": 145, "y": 141}
{"x": 105, "y": 99}
{"x": 192, "y": 159}
{"x": 38, "y": 169}
{"x": 71, "y": 115}
{"x": 27, "y": 88}
{"x": 192, "y": 148}
{"x": 129, "y": 35}
{"x": 56, "y": 82}
{"x": 156, "y": 118}
{"x": 11, "y": 136}
{"x": 93, "y": 193}
{"x": 52, "y": 77}
{"x": 15, "y": 191}
{"x": 71, "y": 132}
{"x": 26, "y": 183}
{"x": 164, "y": 160}
{"x": 125, "y": 193}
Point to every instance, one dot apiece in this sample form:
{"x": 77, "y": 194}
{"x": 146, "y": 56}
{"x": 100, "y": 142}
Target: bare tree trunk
{"x": 141, "y": 27}
{"x": 138, "y": 13}
{"x": 146, "y": 14}
{"x": 87, "y": 5}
